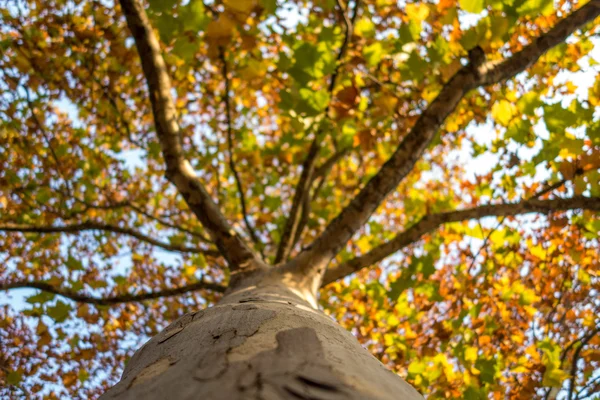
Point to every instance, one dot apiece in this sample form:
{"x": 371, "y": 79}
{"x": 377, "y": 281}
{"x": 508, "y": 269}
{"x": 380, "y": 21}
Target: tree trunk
{"x": 261, "y": 341}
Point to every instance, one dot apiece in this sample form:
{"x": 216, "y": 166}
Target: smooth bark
{"x": 263, "y": 341}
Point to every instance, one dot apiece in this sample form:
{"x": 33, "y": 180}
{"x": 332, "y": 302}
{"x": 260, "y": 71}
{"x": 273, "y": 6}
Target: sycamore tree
{"x": 304, "y": 194}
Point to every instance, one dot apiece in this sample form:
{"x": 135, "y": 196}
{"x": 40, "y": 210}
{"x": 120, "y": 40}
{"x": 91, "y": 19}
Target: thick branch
{"x": 179, "y": 170}
{"x": 431, "y": 222}
{"x": 476, "y": 73}
{"x": 321, "y": 174}
{"x": 96, "y": 226}
{"x": 302, "y": 193}
{"x": 118, "y": 299}
{"x": 498, "y": 72}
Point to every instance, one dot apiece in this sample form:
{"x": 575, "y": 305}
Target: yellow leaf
{"x": 503, "y": 112}
{"x": 189, "y": 270}
{"x": 363, "y": 244}
{"x": 594, "y": 93}
{"x": 417, "y": 12}
{"x": 364, "y": 27}
{"x": 471, "y": 354}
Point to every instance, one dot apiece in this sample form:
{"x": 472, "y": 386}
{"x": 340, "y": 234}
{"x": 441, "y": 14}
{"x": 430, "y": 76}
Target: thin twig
{"x": 113, "y": 300}
{"x": 232, "y": 166}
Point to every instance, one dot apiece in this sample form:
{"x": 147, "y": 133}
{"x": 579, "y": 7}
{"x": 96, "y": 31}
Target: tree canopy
{"x": 441, "y": 158}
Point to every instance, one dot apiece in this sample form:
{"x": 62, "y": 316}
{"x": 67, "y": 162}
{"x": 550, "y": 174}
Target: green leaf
{"x": 74, "y": 264}
{"x": 520, "y": 131}
{"x": 161, "y": 5}
{"x": 83, "y": 375}
{"x": 312, "y": 102}
{"x": 400, "y": 285}
{"x": 41, "y": 297}
{"x": 536, "y": 7}
{"x": 270, "y": 6}
{"x": 473, "y": 394}
{"x": 167, "y": 26}
{"x": 557, "y": 118}
{"x": 373, "y": 54}
{"x": 272, "y": 203}
{"x": 43, "y": 195}
{"x": 414, "y": 68}
{"x": 424, "y": 264}
{"x": 487, "y": 369}
{"x": 409, "y": 32}
{"x": 349, "y": 129}
{"x": 13, "y": 378}
{"x": 185, "y": 48}
{"x": 59, "y": 312}
{"x": 311, "y": 62}
{"x": 472, "y": 6}
{"x": 417, "y": 367}
{"x": 529, "y": 102}
{"x": 98, "y": 284}
{"x": 194, "y": 17}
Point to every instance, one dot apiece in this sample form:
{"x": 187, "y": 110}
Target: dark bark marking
{"x": 312, "y": 382}
{"x": 169, "y": 334}
{"x": 243, "y": 307}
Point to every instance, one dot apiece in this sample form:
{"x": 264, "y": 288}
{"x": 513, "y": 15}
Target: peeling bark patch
{"x": 215, "y": 362}
{"x": 178, "y": 325}
{"x": 292, "y": 370}
{"x": 248, "y": 319}
{"x": 152, "y": 370}
{"x": 250, "y": 322}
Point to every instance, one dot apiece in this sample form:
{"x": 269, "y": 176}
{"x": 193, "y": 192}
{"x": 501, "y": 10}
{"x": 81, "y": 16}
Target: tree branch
{"x": 431, "y": 222}
{"x": 96, "y": 226}
{"x": 330, "y": 162}
{"x": 500, "y": 71}
{"x": 234, "y": 171}
{"x": 290, "y": 231}
{"x": 582, "y": 343}
{"x": 179, "y": 171}
{"x": 118, "y": 299}
{"x": 320, "y": 173}
{"x": 476, "y": 73}
{"x": 302, "y": 190}
{"x": 140, "y": 210}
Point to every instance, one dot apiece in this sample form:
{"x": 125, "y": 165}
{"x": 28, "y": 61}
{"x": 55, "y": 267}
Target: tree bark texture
{"x": 263, "y": 341}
